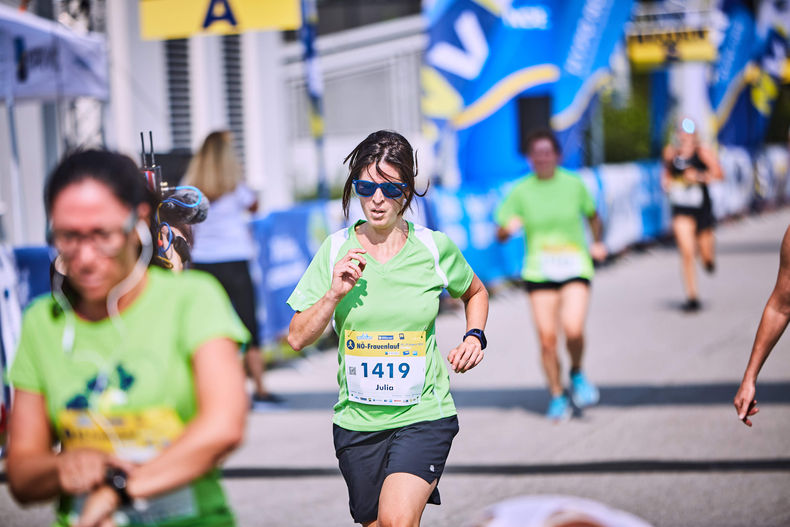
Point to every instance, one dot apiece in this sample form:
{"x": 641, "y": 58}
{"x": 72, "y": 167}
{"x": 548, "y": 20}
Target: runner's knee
{"x": 548, "y": 344}
{"x": 397, "y": 517}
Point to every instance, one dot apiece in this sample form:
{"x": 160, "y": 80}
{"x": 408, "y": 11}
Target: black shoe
{"x": 691, "y": 305}
{"x": 710, "y": 267}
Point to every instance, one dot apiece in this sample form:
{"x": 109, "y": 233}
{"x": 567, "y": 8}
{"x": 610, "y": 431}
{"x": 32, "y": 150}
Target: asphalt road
{"x": 664, "y": 443}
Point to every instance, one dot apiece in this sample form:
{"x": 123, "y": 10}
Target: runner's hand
{"x": 598, "y": 251}
{"x": 346, "y": 272}
{"x": 81, "y": 470}
{"x": 691, "y": 176}
{"x": 745, "y": 403}
{"x": 466, "y": 356}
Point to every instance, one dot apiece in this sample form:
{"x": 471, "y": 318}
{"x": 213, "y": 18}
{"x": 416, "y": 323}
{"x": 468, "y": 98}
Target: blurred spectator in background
{"x": 687, "y": 170}
{"x": 121, "y": 366}
{"x": 548, "y": 204}
{"x": 224, "y": 245}
{"x": 773, "y": 323}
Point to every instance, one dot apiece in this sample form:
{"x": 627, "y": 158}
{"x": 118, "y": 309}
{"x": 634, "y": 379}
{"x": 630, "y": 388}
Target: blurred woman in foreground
{"x": 121, "y": 367}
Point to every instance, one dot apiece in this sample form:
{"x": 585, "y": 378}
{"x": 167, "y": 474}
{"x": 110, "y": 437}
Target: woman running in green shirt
{"x": 548, "y": 204}
{"x": 379, "y": 282}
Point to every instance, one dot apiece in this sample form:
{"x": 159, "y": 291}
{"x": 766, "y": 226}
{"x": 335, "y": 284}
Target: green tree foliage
{"x": 627, "y": 126}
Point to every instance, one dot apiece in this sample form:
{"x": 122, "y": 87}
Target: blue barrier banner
{"x": 32, "y": 267}
{"x": 286, "y": 242}
{"x": 652, "y": 201}
{"x": 468, "y": 219}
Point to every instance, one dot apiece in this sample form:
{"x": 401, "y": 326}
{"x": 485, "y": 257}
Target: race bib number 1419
{"x": 385, "y": 367}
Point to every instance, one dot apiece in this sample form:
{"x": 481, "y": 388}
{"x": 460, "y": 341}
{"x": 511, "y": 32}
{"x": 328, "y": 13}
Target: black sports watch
{"x": 117, "y": 480}
{"x": 480, "y": 334}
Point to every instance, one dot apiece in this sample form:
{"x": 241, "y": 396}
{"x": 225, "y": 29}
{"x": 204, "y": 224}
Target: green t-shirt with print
{"x": 127, "y": 386}
{"x": 551, "y": 211}
{"x": 391, "y": 373}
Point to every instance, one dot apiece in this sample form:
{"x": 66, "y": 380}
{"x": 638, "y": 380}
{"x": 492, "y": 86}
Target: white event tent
{"x": 43, "y": 60}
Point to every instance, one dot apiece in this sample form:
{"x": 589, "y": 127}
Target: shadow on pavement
{"x": 633, "y": 466}
{"x": 626, "y": 466}
{"x": 535, "y": 399}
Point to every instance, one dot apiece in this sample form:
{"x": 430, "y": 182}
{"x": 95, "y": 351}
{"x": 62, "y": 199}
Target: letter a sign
{"x": 166, "y": 19}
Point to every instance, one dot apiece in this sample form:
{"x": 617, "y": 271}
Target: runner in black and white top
{"x": 688, "y": 169}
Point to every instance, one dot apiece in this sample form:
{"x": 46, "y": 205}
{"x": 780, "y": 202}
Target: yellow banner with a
{"x": 166, "y": 19}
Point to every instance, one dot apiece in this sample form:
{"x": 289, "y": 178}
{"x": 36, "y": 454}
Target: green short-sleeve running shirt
{"x": 128, "y": 388}
{"x": 391, "y": 373}
{"x": 551, "y": 212}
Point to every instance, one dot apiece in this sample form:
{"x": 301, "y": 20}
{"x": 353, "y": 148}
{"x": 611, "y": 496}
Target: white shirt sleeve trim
{"x": 425, "y": 235}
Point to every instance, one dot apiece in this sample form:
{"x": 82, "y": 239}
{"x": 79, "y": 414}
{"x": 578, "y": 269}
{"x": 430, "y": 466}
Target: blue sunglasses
{"x": 390, "y": 189}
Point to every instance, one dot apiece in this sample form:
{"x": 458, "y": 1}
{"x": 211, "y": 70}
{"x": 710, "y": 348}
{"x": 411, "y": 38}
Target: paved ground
{"x": 664, "y": 443}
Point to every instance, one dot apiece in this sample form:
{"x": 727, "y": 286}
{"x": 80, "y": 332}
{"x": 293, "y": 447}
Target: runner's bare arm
{"x": 597, "y": 248}
{"x": 513, "y": 226}
{"x": 35, "y": 471}
{"x": 306, "y": 326}
{"x": 32, "y": 466}
{"x": 714, "y": 172}
{"x": 776, "y": 316}
{"x": 469, "y": 353}
{"x": 216, "y": 430}
{"x": 666, "y": 177}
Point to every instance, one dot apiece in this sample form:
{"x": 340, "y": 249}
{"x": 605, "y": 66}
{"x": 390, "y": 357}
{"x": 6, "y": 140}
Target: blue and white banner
{"x": 747, "y": 75}
{"x": 468, "y": 219}
{"x": 480, "y": 57}
{"x": 483, "y": 56}
{"x": 586, "y": 35}
{"x": 287, "y": 241}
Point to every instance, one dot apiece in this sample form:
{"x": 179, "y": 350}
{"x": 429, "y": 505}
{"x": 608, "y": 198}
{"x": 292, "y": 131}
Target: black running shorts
{"x": 367, "y": 458}
{"x": 536, "y": 286}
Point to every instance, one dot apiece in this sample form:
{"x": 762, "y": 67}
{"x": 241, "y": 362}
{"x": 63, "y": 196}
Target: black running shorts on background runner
{"x": 235, "y": 279}
{"x": 367, "y": 458}
{"x": 702, "y": 215}
{"x": 537, "y": 286}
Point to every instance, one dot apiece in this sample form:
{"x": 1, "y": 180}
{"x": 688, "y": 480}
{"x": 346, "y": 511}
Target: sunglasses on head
{"x": 390, "y": 189}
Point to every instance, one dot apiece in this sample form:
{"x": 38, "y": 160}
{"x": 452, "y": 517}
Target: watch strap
{"x": 479, "y": 334}
{"x": 117, "y": 479}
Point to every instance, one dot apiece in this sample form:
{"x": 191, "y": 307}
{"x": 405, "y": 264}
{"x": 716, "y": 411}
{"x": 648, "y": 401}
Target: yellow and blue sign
{"x": 750, "y": 68}
{"x": 169, "y": 19}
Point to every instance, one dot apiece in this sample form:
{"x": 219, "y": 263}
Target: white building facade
{"x": 252, "y": 84}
